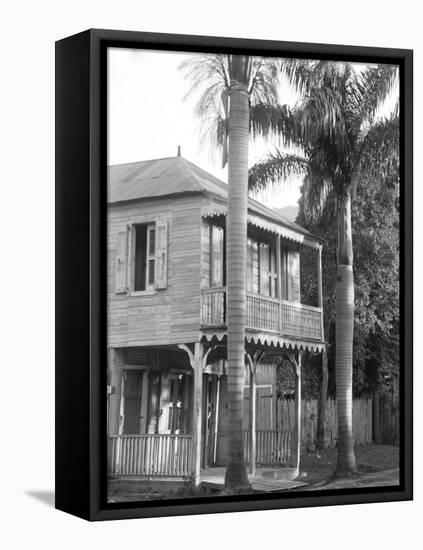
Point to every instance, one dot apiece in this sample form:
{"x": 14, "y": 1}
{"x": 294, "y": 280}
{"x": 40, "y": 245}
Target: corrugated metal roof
{"x": 173, "y": 175}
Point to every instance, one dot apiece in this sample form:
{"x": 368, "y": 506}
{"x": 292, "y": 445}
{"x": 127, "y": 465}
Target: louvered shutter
{"x": 160, "y": 271}
{"x": 264, "y": 269}
{"x": 249, "y": 265}
{"x": 293, "y": 276}
{"x": 121, "y": 262}
{"x": 217, "y": 256}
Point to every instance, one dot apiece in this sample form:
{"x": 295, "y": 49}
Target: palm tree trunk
{"x": 236, "y": 478}
{"x": 346, "y": 463}
{"x": 322, "y": 442}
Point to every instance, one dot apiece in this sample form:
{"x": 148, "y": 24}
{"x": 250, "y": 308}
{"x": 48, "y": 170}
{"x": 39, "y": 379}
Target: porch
{"x": 172, "y": 455}
{"x": 170, "y": 421}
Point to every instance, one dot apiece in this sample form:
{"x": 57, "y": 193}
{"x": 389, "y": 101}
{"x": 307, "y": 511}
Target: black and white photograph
{"x": 253, "y": 275}
{"x": 211, "y": 275}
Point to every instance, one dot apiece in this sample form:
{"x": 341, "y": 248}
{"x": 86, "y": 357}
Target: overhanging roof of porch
{"x": 273, "y": 342}
{"x": 269, "y": 223}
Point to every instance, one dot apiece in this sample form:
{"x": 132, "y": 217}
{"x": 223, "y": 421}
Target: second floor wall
{"x": 153, "y": 272}
{"x": 162, "y": 253}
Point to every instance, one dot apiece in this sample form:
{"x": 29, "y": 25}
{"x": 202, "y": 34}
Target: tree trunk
{"x": 346, "y": 463}
{"x": 236, "y": 478}
{"x": 322, "y": 441}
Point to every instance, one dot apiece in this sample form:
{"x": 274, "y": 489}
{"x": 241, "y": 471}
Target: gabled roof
{"x": 176, "y": 175}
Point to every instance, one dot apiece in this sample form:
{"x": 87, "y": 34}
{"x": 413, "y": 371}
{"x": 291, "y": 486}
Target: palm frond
{"x": 379, "y": 153}
{"x": 315, "y": 191}
{"x": 275, "y": 121}
{"x": 376, "y": 84}
{"x": 274, "y": 169}
{"x": 210, "y": 77}
{"x": 321, "y": 115}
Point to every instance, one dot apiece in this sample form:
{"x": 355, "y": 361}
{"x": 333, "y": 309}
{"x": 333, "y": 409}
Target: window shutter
{"x": 121, "y": 262}
{"x": 217, "y": 235}
{"x": 293, "y": 276}
{"x": 249, "y": 265}
{"x": 264, "y": 269}
{"x": 160, "y": 268}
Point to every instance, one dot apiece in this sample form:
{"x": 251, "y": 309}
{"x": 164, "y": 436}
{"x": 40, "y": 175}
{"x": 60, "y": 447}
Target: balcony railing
{"x": 264, "y": 314}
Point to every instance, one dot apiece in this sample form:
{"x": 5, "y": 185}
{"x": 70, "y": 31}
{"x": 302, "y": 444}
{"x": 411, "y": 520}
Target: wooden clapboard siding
{"x": 186, "y": 269}
{"x": 168, "y": 315}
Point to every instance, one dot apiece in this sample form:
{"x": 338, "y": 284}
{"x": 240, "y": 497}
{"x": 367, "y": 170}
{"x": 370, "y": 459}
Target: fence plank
{"x": 362, "y": 420}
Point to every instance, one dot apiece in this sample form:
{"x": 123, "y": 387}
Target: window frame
{"x": 149, "y": 288}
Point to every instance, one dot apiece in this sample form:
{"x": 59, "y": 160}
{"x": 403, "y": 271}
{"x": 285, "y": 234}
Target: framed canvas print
{"x": 234, "y": 274}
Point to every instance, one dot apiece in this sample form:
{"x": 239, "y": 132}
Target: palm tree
{"x": 227, "y": 86}
{"x": 334, "y": 125}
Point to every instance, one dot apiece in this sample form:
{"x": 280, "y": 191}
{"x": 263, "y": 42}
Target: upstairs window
{"x": 144, "y": 257}
{"x": 252, "y": 266}
{"x": 262, "y": 273}
{"x": 141, "y": 257}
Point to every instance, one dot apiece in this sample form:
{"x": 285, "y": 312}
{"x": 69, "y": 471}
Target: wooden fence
{"x": 389, "y": 422}
{"x": 272, "y": 446}
{"x": 362, "y": 420}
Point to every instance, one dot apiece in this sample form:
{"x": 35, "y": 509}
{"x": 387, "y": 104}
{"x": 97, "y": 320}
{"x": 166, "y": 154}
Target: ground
{"x": 320, "y": 465}
{"x": 378, "y": 465}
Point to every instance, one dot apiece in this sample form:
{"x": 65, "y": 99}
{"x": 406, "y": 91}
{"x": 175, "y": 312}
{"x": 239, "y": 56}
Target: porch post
{"x": 253, "y": 426}
{"x": 320, "y": 291}
{"x": 216, "y": 420}
{"x": 297, "y": 432}
{"x": 198, "y": 397}
{"x": 198, "y": 361}
{"x": 253, "y": 362}
{"x": 279, "y": 278}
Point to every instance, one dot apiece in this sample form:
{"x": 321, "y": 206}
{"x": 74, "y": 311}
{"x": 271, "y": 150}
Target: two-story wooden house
{"x": 167, "y": 392}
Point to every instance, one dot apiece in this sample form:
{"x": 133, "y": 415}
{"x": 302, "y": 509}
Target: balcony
{"x": 264, "y": 314}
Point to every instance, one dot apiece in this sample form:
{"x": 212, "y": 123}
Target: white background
{"x": 28, "y": 32}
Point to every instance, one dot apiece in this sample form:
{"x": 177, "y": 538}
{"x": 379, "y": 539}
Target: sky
{"x": 149, "y": 116}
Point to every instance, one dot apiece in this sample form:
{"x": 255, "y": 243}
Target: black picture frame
{"x": 81, "y": 145}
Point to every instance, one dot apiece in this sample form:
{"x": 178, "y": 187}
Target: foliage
{"x": 210, "y": 77}
{"x": 333, "y": 127}
{"x": 341, "y": 149}
{"x": 375, "y": 224}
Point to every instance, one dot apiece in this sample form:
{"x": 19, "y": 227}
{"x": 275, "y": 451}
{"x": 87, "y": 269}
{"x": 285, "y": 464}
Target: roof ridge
{"x": 140, "y": 161}
{"x": 208, "y": 174}
{"x": 183, "y": 163}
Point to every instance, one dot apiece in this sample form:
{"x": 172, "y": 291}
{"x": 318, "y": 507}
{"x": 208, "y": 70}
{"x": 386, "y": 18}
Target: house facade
{"x": 167, "y": 367}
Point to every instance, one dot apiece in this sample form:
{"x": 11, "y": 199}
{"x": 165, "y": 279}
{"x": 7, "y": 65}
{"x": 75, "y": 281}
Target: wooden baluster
{"x": 130, "y": 454}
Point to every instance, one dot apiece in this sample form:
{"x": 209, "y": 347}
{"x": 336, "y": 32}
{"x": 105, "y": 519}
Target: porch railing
{"x": 150, "y": 455}
{"x": 265, "y": 314}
